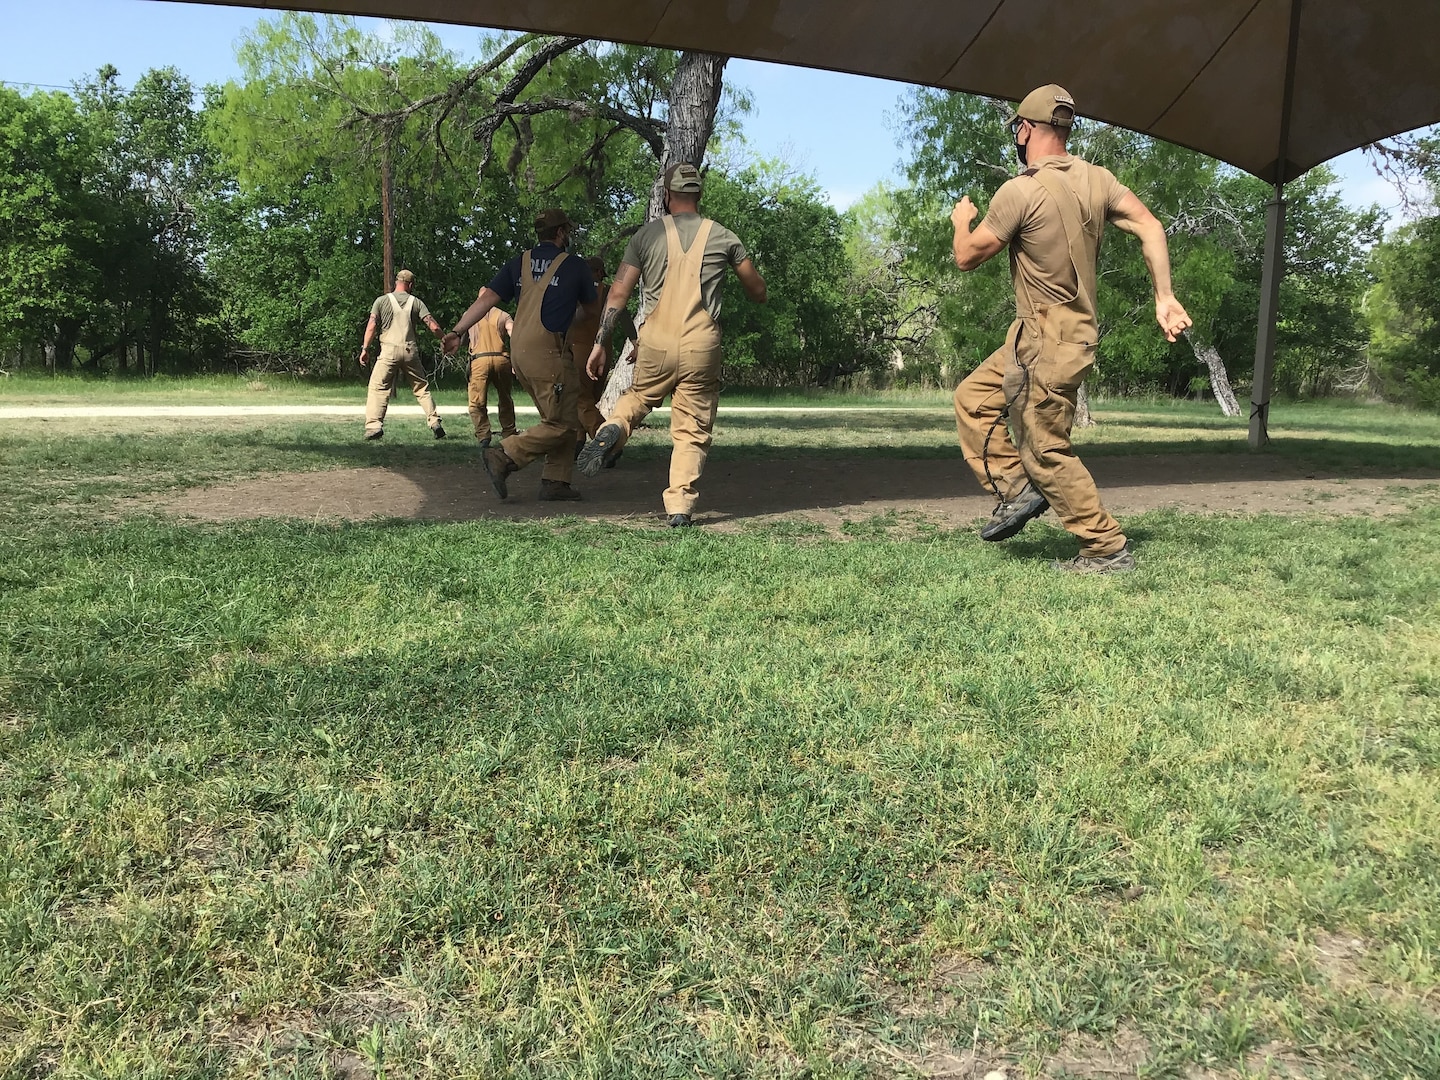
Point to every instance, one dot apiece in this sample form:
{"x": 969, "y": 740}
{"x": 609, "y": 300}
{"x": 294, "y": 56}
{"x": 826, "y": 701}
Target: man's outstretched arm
{"x": 487, "y": 299}
{"x": 1132, "y": 216}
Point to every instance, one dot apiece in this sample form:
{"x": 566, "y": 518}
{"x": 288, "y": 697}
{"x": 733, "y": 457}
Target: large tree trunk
{"x": 1083, "y": 417}
{"x": 387, "y": 214}
{"x": 1219, "y": 379}
{"x": 694, "y": 100}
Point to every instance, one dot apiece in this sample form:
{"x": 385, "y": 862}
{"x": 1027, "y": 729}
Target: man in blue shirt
{"x": 551, "y": 286}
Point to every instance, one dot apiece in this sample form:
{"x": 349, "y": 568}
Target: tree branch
{"x": 652, "y": 131}
{"x": 484, "y": 131}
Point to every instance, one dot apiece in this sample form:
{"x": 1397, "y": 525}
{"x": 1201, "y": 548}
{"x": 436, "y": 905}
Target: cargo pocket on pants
{"x": 1062, "y": 367}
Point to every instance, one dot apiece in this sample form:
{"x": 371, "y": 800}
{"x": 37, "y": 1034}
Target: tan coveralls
{"x": 581, "y": 338}
{"x": 1035, "y": 375}
{"x": 678, "y": 353}
{"x": 489, "y": 362}
{"x": 399, "y": 355}
{"x": 543, "y": 365}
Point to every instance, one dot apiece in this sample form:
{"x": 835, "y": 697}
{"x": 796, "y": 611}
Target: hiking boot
{"x": 557, "y": 491}
{"x": 1120, "y": 562}
{"x": 680, "y": 521}
{"x": 374, "y": 436}
{"x": 579, "y": 445}
{"x": 1012, "y": 516}
{"x": 602, "y": 451}
{"x": 485, "y": 442}
{"x": 498, "y": 465}
{"x": 439, "y": 431}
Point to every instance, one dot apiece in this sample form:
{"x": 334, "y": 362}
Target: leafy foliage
{"x": 1404, "y": 307}
{"x": 812, "y": 331}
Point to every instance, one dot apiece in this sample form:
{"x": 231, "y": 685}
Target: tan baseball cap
{"x": 552, "y": 219}
{"x": 405, "y": 276}
{"x": 1050, "y": 104}
{"x": 683, "y": 177}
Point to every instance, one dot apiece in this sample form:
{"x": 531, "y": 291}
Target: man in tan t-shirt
{"x": 681, "y": 258}
{"x": 395, "y": 315}
{"x": 1051, "y": 217}
{"x": 490, "y": 364}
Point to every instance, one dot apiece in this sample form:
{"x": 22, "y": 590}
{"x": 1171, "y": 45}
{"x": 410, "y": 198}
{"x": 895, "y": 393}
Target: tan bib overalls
{"x": 678, "y": 352}
{"x": 490, "y": 363}
{"x": 542, "y": 363}
{"x": 399, "y": 355}
{"x": 581, "y": 338}
{"x": 1035, "y": 375}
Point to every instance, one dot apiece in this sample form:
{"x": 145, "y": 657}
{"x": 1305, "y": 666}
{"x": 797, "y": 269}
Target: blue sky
{"x": 839, "y": 128}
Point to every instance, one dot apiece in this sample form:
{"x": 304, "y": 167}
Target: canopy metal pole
{"x": 1272, "y": 270}
{"x": 1274, "y": 267}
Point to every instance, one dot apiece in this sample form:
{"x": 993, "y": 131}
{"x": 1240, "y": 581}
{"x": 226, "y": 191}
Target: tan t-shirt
{"x": 1024, "y": 216}
{"x": 649, "y": 251}
{"x": 383, "y": 312}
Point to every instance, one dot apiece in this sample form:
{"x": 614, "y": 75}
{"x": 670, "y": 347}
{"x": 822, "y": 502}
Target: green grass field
{"x": 497, "y": 799}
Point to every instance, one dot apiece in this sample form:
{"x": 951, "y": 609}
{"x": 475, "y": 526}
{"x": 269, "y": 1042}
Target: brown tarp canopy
{"x": 1273, "y": 87}
{"x": 1208, "y": 74}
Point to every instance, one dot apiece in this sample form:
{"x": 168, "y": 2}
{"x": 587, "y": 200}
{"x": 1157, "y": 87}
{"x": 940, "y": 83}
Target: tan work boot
{"x": 1120, "y": 562}
{"x": 1012, "y": 515}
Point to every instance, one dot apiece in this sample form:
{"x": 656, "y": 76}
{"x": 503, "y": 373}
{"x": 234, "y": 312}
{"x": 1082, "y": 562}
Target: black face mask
{"x": 1020, "y": 147}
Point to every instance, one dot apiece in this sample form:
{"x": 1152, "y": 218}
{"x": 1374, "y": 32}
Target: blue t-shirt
{"x": 572, "y": 284}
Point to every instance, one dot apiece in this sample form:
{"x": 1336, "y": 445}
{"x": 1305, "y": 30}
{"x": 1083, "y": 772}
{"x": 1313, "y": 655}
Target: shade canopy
{"x": 1235, "y": 79}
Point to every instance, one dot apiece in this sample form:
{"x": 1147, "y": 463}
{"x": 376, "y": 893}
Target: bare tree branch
{"x": 998, "y": 170}
{"x": 484, "y": 131}
{"x": 652, "y": 131}
{"x": 1403, "y": 161}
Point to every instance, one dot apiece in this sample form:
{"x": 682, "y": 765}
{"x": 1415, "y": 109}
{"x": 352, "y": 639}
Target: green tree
{"x": 47, "y": 230}
{"x": 1404, "y": 306}
{"x": 895, "y": 311}
{"x": 809, "y": 333}
{"x": 154, "y": 174}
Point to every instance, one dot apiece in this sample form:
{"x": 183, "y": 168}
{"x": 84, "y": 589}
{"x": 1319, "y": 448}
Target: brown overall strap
{"x": 1082, "y": 236}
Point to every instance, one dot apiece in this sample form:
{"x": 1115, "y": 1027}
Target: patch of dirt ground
{"x": 825, "y": 492}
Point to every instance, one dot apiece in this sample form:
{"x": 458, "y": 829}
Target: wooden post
{"x": 387, "y": 214}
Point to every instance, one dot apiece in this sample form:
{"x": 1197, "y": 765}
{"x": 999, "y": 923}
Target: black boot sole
{"x": 597, "y": 453}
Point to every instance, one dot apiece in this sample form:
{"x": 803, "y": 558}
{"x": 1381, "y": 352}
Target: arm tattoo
{"x": 607, "y": 323}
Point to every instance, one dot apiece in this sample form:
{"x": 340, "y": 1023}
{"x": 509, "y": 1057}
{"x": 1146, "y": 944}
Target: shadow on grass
{"x": 422, "y": 484}
{"x": 1312, "y": 458}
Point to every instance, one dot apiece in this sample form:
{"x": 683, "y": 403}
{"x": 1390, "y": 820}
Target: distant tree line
{"x": 161, "y": 228}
